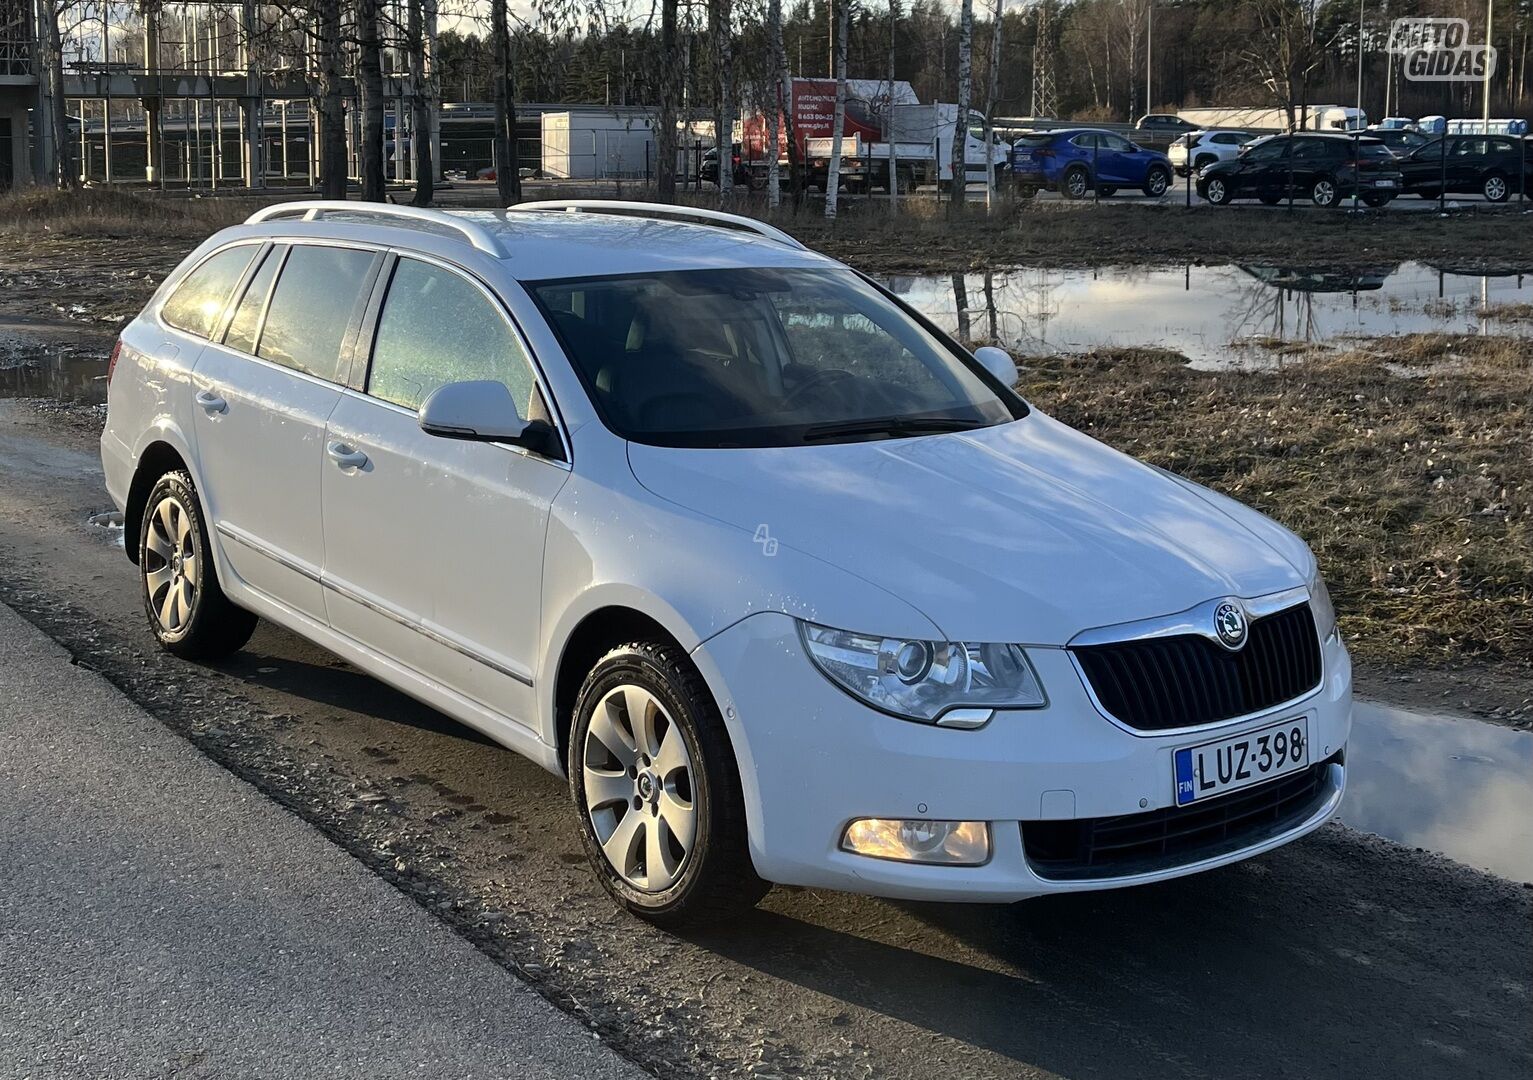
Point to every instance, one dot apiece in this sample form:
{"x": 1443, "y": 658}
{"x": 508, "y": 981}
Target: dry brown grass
{"x": 1508, "y": 312}
{"x": 104, "y": 212}
{"x": 1415, "y": 491}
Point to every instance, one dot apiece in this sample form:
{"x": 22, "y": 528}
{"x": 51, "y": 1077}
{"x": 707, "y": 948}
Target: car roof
{"x": 535, "y": 242}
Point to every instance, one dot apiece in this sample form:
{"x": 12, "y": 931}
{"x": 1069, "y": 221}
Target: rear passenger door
{"x": 433, "y": 546}
{"x": 261, "y": 396}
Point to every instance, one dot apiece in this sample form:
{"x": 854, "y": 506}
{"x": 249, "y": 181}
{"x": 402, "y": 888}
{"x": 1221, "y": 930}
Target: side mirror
{"x": 484, "y": 411}
{"x": 998, "y": 362}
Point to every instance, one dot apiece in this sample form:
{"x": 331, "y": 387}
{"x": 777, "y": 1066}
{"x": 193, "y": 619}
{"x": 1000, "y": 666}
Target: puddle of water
{"x": 62, "y": 372}
{"x": 1214, "y": 315}
{"x": 1460, "y": 787}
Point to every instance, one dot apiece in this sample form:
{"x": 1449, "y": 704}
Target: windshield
{"x": 762, "y": 357}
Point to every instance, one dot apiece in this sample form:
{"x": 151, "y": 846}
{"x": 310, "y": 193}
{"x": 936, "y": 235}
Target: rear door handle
{"x": 211, "y": 402}
{"x": 345, "y": 456}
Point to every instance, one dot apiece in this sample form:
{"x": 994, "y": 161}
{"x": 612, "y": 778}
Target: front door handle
{"x": 211, "y": 403}
{"x": 345, "y": 456}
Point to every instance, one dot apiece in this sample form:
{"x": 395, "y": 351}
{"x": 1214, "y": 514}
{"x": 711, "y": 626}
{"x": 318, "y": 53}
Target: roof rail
{"x": 695, "y": 214}
{"x": 315, "y": 209}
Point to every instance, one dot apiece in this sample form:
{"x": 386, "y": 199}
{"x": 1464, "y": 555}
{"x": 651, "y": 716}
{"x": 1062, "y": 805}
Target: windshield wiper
{"x": 893, "y": 426}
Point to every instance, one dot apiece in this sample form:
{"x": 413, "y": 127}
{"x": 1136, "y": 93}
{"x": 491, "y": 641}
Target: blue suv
{"x": 1074, "y": 160}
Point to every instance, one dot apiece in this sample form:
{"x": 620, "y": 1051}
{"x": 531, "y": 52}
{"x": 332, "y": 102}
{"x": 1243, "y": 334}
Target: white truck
{"x": 918, "y": 149}
{"x": 1306, "y": 118}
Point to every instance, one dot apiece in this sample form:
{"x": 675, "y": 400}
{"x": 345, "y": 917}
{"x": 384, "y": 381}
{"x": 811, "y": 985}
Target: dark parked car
{"x": 1074, "y": 160}
{"x": 1400, "y": 141}
{"x": 1474, "y": 164}
{"x": 1320, "y": 167}
{"x": 708, "y": 171}
{"x": 1167, "y": 124}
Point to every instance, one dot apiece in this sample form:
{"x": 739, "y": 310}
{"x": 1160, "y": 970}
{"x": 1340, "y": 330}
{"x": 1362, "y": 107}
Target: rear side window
{"x": 1034, "y": 141}
{"x": 247, "y": 314}
{"x": 437, "y": 328}
{"x": 312, "y": 307}
{"x": 199, "y": 300}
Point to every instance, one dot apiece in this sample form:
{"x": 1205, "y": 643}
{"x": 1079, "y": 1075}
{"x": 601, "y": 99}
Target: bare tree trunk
{"x": 370, "y": 81}
{"x": 723, "y": 94}
{"x": 889, "y": 128}
{"x": 665, "y": 138}
{"x": 838, "y": 128}
{"x": 332, "y": 110}
{"x": 420, "y": 106}
{"x": 508, "y": 171}
{"x": 779, "y": 101}
{"x": 965, "y": 91}
{"x": 62, "y": 167}
{"x": 992, "y": 87}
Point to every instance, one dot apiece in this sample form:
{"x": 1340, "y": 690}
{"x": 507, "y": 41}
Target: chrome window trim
{"x": 1197, "y": 620}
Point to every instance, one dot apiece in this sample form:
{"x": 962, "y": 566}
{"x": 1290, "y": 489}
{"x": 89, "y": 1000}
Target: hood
{"x": 1027, "y": 532}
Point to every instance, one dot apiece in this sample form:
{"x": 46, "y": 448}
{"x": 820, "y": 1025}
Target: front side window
{"x": 761, "y": 357}
{"x": 438, "y": 328}
{"x": 312, "y": 307}
{"x": 1115, "y": 142}
{"x": 1267, "y": 151}
{"x": 198, "y": 302}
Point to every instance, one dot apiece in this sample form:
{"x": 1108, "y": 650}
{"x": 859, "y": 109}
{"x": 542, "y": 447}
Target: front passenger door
{"x": 434, "y": 546}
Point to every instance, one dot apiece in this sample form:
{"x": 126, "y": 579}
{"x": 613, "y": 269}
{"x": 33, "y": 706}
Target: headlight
{"x": 952, "y": 683}
{"x": 1320, "y": 604}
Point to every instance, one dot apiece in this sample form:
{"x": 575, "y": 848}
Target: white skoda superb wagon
{"x": 789, "y": 585}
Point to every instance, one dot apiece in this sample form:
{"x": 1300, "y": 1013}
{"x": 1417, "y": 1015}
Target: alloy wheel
{"x": 1495, "y": 188}
{"x": 638, "y": 781}
{"x": 1076, "y": 182}
{"x": 1324, "y": 193}
{"x": 1216, "y": 191}
{"x": 1158, "y": 182}
{"x": 170, "y": 568}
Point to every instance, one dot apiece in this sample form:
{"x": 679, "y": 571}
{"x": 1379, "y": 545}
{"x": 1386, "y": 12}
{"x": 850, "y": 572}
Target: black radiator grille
{"x": 1187, "y": 680}
{"x": 1159, "y": 839}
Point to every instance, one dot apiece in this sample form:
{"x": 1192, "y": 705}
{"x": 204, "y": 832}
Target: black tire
{"x": 716, "y": 881}
{"x": 1217, "y": 191}
{"x": 1431, "y": 195}
{"x": 1202, "y": 161}
{"x": 1157, "y": 181}
{"x": 1495, "y": 188}
{"x": 1106, "y": 191}
{"x": 1076, "y": 183}
{"x": 1270, "y": 200}
{"x": 215, "y": 626}
{"x": 1377, "y": 200}
{"x": 1325, "y": 193}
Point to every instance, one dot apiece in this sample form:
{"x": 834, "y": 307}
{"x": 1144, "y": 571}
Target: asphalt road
{"x": 159, "y": 917}
{"x": 1340, "y": 955}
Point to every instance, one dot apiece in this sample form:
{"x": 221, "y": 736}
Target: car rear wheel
{"x": 1218, "y": 192}
{"x": 188, "y": 611}
{"x": 1271, "y": 200}
{"x": 1156, "y": 181}
{"x": 1323, "y": 193}
{"x": 1076, "y": 184}
{"x": 1377, "y": 199}
{"x": 1495, "y": 188}
{"x": 653, "y": 777}
{"x": 1202, "y": 161}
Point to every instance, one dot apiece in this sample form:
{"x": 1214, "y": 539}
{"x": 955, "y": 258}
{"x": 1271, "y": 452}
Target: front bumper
{"x": 812, "y": 759}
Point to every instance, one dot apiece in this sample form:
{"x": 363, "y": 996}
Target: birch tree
{"x": 965, "y": 90}
{"x": 508, "y": 172}
{"x": 62, "y": 168}
{"x": 723, "y": 93}
{"x": 838, "y": 127}
{"x": 992, "y": 86}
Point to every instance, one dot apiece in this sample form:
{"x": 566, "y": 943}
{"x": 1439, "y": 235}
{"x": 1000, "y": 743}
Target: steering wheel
{"x": 826, "y": 377}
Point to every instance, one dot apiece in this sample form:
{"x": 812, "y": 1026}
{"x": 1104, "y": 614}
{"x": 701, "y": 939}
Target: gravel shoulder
{"x": 160, "y": 917}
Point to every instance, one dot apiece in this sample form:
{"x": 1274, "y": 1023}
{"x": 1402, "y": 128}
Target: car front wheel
{"x": 653, "y": 777}
{"x": 1323, "y": 193}
{"x": 188, "y": 611}
{"x": 1217, "y": 192}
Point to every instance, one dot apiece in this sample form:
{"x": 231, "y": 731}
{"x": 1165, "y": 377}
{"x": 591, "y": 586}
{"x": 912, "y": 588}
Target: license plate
{"x": 1214, "y": 768}
{"x": 1385, "y": 183}
{"x": 1024, "y": 155}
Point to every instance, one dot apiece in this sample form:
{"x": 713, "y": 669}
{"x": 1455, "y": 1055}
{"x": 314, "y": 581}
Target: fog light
{"x": 949, "y": 843}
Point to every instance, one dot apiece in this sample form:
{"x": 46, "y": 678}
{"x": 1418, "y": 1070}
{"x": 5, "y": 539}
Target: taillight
{"x": 1045, "y": 152}
{"x": 111, "y": 363}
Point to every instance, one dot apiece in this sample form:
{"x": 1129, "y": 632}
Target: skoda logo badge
{"x": 1230, "y": 624}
